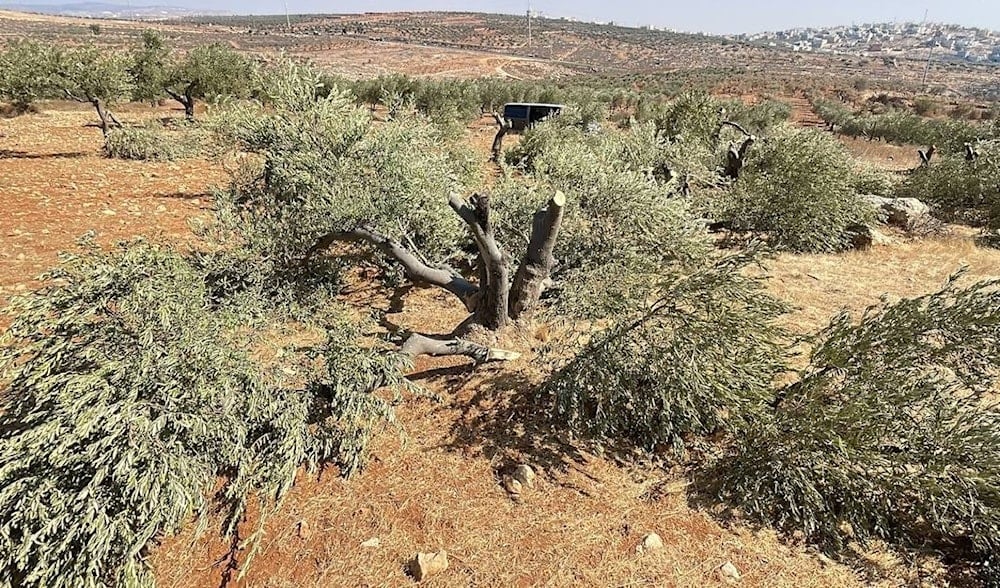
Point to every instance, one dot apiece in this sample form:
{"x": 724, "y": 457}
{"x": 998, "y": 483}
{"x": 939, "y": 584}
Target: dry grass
{"x": 438, "y": 487}
{"x": 884, "y": 155}
{"x": 820, "y": 285}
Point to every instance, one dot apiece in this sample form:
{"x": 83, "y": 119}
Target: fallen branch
{"x": 415, "y": 270}
{"x": 417, "y": 344}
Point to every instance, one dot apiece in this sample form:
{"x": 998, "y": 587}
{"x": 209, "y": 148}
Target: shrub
{"x": 960, "y": 189}
{"x": 323, "y": 166}
{"x": 146, "y": 144}
{"x": 617, "y": 191}
{"x": 925, "y": 106}
{"x": 870, "y": 179}
{"x": 694, "y": 116}
{"x": 759, "y": 117}
{"x": 795, "y": 186}
{"x": 686, "y": 354}
{"x": 125, "y": 399}
{"x": 892, "y": 432}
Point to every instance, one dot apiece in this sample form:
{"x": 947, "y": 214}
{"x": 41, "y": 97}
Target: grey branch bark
{"x": 970, "y": 152}
{"x": 494, "y": 287}
{"x": 415, "y": 270}
{"x": 503, "y": 126}
{"x": 533, "y": 275}
{"x": 417, "y": 344}
{"x": 186, "y": 99}
{"x": 736, "y": 126}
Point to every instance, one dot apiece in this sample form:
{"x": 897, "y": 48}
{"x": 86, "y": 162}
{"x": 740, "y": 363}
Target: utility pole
{"x": 930, "y": 52}
{"x": 288, "y": 21}
{"x": 927, "y": 66}
{"x": 529, "y": 24}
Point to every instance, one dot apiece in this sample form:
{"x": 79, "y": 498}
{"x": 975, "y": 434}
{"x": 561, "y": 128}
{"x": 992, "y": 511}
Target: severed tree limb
{"x": 736, "y": 126}
{"x": 415, "y": 269}
{"x": 533, "y": 275}
{"x": 735, "y": 158}
{"x": 494, "y": 285}
{"x": 503, "y": 127}
{"x": 417, "y": 344}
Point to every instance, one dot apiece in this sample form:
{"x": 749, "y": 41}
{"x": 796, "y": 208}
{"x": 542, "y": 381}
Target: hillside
{"x": 473, "y": 45}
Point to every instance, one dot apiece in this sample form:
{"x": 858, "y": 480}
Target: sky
{"x": 708, "y": 16}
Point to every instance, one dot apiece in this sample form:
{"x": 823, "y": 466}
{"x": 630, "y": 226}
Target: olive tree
{"x": 94, "y": 76}
{"x": 148, "y": 67}
{"x": 208, "y": 72}
{"x": 27, "y": 73}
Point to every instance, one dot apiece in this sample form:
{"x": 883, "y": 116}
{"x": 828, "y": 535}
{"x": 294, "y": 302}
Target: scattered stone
{"x": 866, "y": 236}
{"x": 525, "y": 475}
{"x": 371, "y": 543}
{"x": 901, "y": 212}
{"x": 823, "y": 559}
{"x": 650, "y": 542}
{"x": 303, "y": 529}
{"x": 425, "y": 565}
{"x": 512, "y": 486}
{"x": 729, "y": 572}
{"x": 109, "y": 212}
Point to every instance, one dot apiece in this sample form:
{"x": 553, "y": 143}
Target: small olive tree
{"x": 28, "y": 72}
{"x": 208, "y": 72}
{"x": 148, "y": 67}
{"x": 94, "y": 76}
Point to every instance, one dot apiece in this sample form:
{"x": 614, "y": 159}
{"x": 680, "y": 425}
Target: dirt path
{"x": 803, "y": 113}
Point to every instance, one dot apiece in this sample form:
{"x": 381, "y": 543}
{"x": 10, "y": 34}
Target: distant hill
{"x": 109, "y": 10}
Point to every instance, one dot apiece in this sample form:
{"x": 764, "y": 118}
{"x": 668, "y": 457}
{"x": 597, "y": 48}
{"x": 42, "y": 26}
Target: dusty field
{"x": 55, "y": 185}
{"x": 437, "y": 486}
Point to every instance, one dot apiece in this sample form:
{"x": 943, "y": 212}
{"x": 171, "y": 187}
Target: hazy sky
{"x": 713, "y": 16}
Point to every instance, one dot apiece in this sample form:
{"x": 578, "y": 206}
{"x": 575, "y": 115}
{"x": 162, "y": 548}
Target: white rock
{"x": 650, "y": 542}
{"x": 729, "y": 572}
{"x": 372, "y": 543}
{"x": 525, "y": 475}
{"x": 425, "y": 565}
{"x": 512, "y": 486}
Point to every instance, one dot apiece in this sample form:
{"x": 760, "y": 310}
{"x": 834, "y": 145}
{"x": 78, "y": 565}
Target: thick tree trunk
{"x": 735, "y": 157}
{"x": 102, "y": 114}
{"x": 504, "y": 126}
{"x": 534, "y": 274}
{"x": 494, "y": 290}
{"x": 186, "y": 100}
{"x": 417, "y": 344}
{"x": 491, "y": 301}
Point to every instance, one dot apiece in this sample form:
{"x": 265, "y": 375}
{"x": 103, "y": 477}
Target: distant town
{"x": 889, "y": 40}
